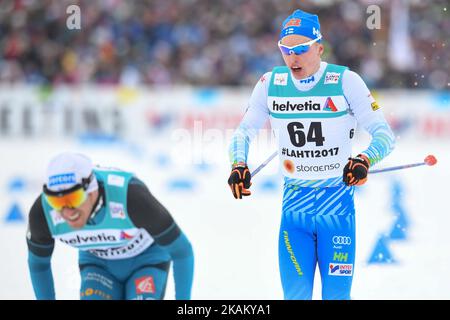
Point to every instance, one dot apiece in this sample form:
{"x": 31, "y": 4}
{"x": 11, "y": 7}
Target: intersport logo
{"x": 288, "y": 106}
{"x": 340, "y": 269}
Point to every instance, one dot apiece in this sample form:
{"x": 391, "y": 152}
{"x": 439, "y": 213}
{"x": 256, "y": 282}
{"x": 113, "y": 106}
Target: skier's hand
{"x": 356, "y": 169}
{"x": 239, "y": 181}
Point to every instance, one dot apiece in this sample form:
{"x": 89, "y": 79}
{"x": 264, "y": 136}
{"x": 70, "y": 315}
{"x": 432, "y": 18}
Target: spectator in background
{"x": 201, "y": 42}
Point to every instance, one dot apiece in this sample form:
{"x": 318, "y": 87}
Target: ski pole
{"x": 262, "y": 165}
{"x": 430, "y": 160}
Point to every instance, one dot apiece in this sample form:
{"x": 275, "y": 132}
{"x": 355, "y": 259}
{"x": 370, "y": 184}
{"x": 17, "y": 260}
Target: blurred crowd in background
{"x": 220, "y": 42}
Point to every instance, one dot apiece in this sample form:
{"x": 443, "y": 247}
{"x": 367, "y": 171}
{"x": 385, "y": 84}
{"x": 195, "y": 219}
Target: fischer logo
{"x": 342, "y": 240}
{"x": 288, "y": 106}
{"x": 340, "y": 269}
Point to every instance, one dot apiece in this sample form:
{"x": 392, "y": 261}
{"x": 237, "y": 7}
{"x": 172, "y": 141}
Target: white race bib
{"x": 314, "y": 135}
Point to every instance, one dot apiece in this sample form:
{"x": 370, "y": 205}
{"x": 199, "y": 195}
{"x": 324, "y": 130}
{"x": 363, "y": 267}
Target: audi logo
{"x": 342, "y": 240}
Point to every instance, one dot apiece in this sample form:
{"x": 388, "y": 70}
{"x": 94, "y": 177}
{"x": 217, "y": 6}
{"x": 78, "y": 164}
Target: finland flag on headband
{"x": 301, "y": 23}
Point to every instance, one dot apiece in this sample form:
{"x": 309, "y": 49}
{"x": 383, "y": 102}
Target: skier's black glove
{"x": 355, "y": 171}
{"x": 239, "y": 180}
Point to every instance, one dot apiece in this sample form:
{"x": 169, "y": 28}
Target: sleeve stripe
{"x": 169, "y": 235}
{"x": 39, "y": 249}
{"x": 383, "y": 142}
{"x": 240, "y": 144}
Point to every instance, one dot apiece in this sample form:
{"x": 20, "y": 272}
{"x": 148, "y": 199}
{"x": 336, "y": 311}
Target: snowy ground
{"x": 235, "y": 242}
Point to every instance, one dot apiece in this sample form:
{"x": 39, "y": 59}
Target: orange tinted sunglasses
{"x": 70, "y": 198}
